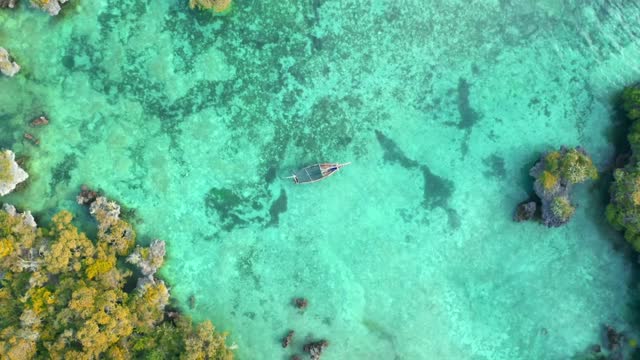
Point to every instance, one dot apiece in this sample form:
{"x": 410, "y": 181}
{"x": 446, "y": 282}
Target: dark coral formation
{"x": 525, "y": 211}
{"x": 437, "y": 189}
{"x": 86, "y": 196}
{"x": 286, "y": 341}
{"x": 555, "y": 174}
{"x": 315, "y": 349}
{"x": 300, "y": 303}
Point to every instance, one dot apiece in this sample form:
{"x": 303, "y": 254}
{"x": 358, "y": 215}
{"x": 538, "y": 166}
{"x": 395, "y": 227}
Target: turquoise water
{"x": 409, "y": 253}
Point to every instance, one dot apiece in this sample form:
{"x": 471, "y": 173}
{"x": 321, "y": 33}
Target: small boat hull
{"x": 317, "y": 172}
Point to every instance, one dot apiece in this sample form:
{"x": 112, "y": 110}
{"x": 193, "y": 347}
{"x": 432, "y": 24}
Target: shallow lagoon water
{"x": 409, "y": 253}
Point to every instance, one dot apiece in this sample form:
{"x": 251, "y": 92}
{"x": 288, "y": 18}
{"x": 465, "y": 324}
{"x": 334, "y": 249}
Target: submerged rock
{"x": 7, "y": 67}
{"x": 53, "y": 7}
{"x": 525, "y": 211}
{"x": 11, "y": 174}
{"x": 614, "y": 338}
{"x": 32, "y": 139}
{"x": 300, "y": 303}
{"x": 8, "y": 3}
{"x": 315, "y": 349}
{"x": 86, "y": 196}
{"x": 287, "y": 340}
{"x": 39, "y": 121}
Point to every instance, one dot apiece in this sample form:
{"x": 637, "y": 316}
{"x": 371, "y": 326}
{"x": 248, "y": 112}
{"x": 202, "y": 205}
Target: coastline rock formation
{"x": 7, "y": 67}
{"x": 66, "y": 296}
{"x": 53, "y": 7}
{"x": 11, "y": 174}
{"x": 555, "y": 174}
{"x": 8, "y": 4}
{"x": 26, "y": 217}
{"x": 623, "y": 211}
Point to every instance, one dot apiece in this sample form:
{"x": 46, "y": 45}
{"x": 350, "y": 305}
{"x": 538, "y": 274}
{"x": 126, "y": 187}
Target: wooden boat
{"x": 317, "y": 172}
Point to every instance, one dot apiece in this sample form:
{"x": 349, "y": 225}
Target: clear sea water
{"x": 410, "y": 253}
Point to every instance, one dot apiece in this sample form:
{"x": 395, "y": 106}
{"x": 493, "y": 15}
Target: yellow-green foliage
{"x": 549, "y": 181}
{"x": 5, "y": 166}
{"x": 218, "y": 6}
{"x": 562, "y": 208}
{"x": 577, "y": 167}
{"x": 623, "y": 212}
{"x": 70, "y": 303}
{"x": 552, "y": 161}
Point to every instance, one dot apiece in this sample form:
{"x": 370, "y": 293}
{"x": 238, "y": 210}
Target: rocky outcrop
{"x": 11, "y": 174}
{"x": 106, "y": 212}
{"x": 148, "y": 260}
{"x": 27, "y": 218}
{"x": 7, "y": 67}
{"x": 555, "y": 174}
{"x": 8, "y": 3}
{"x": 53, "y": 7}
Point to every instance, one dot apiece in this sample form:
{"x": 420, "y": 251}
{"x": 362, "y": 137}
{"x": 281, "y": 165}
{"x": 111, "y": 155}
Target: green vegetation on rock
{"x": 562, "y": 208}
{"x": 62, "y": 295}
{"x": 555, "y": 174}
{"x": 623, "y": 212}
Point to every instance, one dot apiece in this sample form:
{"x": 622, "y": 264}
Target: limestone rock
{"x": 148, "y": 259}
{"x": 27, "y": 218}
{"x": 106, "y": 212}
{"x": 7, "y": 67}
{"x": 11, "y": 174}
{"x": 50, "y": 6}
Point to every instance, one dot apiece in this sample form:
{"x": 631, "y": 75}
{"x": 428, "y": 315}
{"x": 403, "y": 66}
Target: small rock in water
{"x": 300, "y": 303}
{"x": 287, "y": 340}
{"x": 596, "y": 348}
{"x": 315, "y": 349}
{"x": 525, "y": 211}
{"x": 32, "y": 139}
{"x": 39, "y": 121}
{"x": 86, "y": 196}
